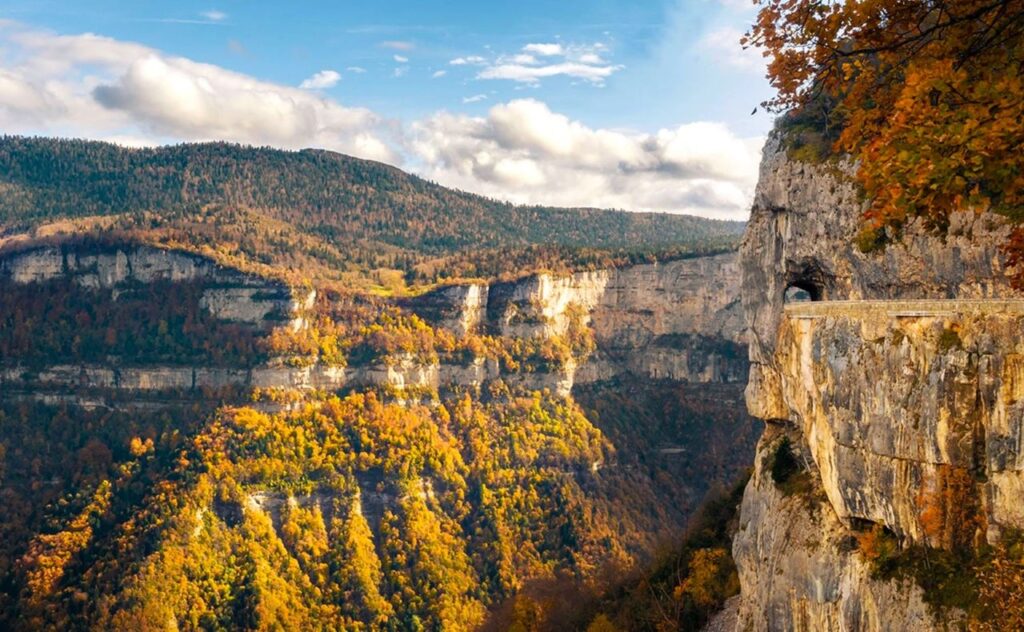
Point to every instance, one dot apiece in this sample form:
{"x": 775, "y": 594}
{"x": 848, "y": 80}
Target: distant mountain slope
{"x": 342, "y": 211}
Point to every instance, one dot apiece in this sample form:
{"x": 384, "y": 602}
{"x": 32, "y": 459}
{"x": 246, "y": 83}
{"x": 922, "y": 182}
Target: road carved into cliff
{"x": 904, "y": 308}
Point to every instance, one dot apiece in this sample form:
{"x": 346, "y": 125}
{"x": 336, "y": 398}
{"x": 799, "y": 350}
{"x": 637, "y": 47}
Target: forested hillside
{"x": 329, "y": 215}
{"x": 351, "y": 511}
{"x": 187, "y": 445}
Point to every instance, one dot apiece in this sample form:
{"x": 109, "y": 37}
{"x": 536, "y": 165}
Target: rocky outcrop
{"x": 460, "y": 308}
{"x": 400, "y": 373}
{"x": 893, "y": 375}
{"x": 228, "y": 294}
{"x": 888, "y": 392}
{"x": 678, "y": 320}
{"x": 799, "y": 566}
{"x": 801, "y": 233}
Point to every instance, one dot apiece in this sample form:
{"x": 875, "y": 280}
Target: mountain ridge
{"x": 349, "y": 217}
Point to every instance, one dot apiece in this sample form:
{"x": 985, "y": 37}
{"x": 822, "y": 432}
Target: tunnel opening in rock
{"x": 797, "y": 294}
{"x": 807, "y": 283}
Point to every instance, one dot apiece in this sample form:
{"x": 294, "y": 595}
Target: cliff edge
{"x": 901, "y": 373}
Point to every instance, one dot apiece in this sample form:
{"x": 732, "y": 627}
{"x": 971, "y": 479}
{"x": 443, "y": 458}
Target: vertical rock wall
{"x": 880, "y": 385}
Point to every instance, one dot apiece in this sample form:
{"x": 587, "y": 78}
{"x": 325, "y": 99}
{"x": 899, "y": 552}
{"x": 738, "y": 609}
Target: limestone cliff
{"x": 677, "y": 321}
{"x": 228, "y": 294}
{"x": 908, "y": 363}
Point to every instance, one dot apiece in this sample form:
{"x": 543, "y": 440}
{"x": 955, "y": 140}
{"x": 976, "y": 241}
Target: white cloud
{"x": 533, "y": 74}
{"x": 476, "y": 98}
{"x": 723, "y": 45}
{"x": 472, "y": 60}
{"x": 523, "y": 152}
{"x": 214, "y": 15}
{"x": 534, "y": 62}
{"x": 545, "y": 50}
{"x": 438, "y": 74}
{"x": 401, "y": 59}
{"x": 401, "y": 71}
{"x": 398, "y": 45}
{"x": 356, "y": 69}
{"x": 98, "y": 87}
{"x": 321, "y": 80}
{"x": 523, "y": 58}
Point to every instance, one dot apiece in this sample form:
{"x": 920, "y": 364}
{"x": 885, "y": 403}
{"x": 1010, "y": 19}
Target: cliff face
{"x": 909, "y": 365}
{"x": 801, "y": 233}
{"x": 228, "y": 294}
{"x": 799, "y": 566}
{"x": 678, "y": 321}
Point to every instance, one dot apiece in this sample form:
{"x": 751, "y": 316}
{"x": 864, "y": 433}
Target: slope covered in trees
{"x": 365, "y": 507}
{"x": 318, "y": 212}
{"x": 349, "y": 511}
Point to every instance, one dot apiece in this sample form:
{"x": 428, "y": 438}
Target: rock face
{"x": 909, "y": 364}
{"x": 799, "y": 566}
{"x": 228, "y": 295}
{"x": 801, "y": 233}
{"x": 679, "y": 320}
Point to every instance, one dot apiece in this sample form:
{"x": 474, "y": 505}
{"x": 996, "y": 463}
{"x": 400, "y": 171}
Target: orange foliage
{"x": 927, "y": 95}
{"x": 948, "y": 509}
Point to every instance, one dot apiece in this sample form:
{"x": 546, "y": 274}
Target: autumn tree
{"x": 926, "y": 95}
{"x": 948, "y": 509}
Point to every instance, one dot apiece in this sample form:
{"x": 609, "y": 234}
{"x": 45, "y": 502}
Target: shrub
{"x": 949, "y": 339}
{"x": 870, "y": 239}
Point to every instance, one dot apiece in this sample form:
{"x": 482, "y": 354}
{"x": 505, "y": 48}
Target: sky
{"x": 643, "y": 105}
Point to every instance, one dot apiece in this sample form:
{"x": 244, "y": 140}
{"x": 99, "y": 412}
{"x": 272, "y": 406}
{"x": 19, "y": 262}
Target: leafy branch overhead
{"x": 926, "y": 95}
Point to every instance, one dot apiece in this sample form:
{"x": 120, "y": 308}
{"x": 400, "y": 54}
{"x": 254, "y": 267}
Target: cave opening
{"x": 801, "y": 293}
{"x": 807, "y": 283}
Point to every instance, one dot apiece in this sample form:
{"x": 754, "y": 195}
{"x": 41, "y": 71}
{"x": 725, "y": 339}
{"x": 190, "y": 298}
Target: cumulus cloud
{"x": 214, "y": 15}
{"x": 98, "y": 87}
{"x": 472, "y": 60}
{"x": 533, "y": 74}
{"x": 524, "y": 152}
{"x": 438, "y": 74}
{"x": 474, "y": 99}
{"x": 356, "y": 69}
{"x": 321, "y": 80}
{"x": 546, "y": 50}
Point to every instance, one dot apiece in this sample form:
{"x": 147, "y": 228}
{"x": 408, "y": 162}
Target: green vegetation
{"x": 788, "y": 474}
{"x": 784, "y": 464}
{"x": 955, "y": 568}
{"x": 158, "y": 322}
{"x": 387, "y": 508}
{"x": 317, "y": 214}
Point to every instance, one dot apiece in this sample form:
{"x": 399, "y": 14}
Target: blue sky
{"x": 636, "y": 105}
